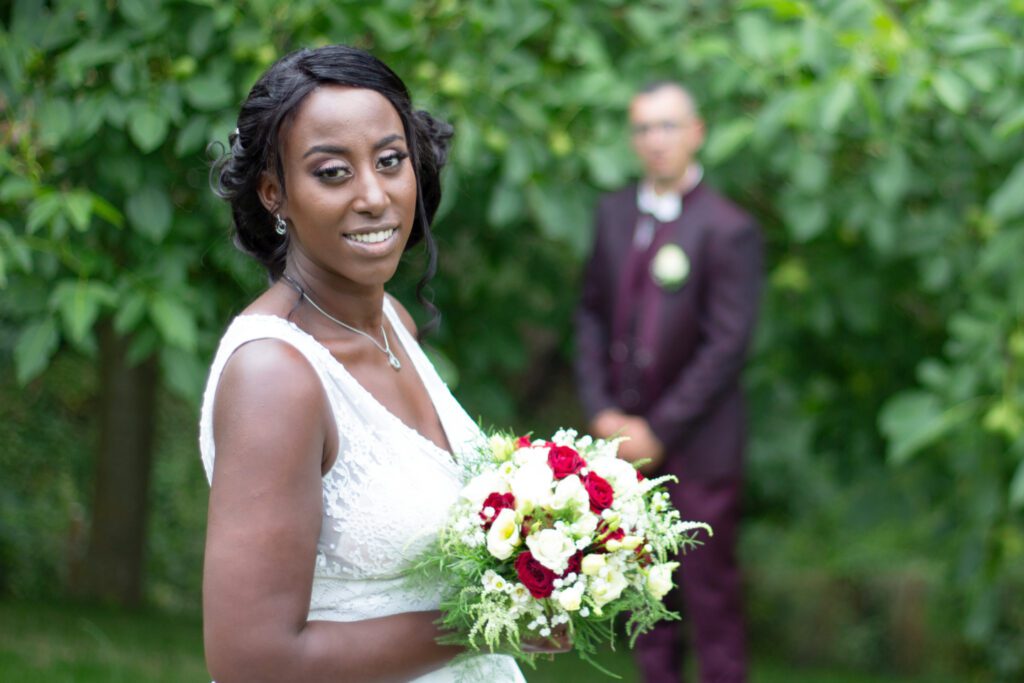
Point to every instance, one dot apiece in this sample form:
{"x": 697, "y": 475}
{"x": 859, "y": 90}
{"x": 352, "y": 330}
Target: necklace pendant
{"x": 395, "y": 363}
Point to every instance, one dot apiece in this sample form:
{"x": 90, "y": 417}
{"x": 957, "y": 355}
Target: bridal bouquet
{"x": 552, "y": 535}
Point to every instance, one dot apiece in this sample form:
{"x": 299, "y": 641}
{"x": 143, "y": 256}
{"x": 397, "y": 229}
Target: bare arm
{"x": 272, "y": 428}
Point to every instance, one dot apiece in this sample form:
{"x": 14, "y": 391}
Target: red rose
{"x": 537, "y": 578}
{"x": 523, "y": 442}
{"x": 498, "y": 501}
{"x": 600, "y": 492}
{"x": 564, "y": 461}
{"x": 640, "y": 476}
{"x": 575, "y": 563}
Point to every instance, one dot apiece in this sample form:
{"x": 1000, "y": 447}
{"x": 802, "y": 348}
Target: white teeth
{"x": 372, "y": 237}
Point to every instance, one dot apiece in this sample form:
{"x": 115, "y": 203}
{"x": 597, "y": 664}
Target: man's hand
{"x": 608, "y": 423}
{"x": 641, "y": 444}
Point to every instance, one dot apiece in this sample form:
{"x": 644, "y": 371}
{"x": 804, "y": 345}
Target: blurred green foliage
{"x": 878, "y": 142}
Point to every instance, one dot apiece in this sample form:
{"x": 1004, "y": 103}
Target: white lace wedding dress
{"x": 385, "y": 497}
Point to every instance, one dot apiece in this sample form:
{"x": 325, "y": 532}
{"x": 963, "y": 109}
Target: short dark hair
{"x": 254, "y": 147}
{"x": 662, "y": 84}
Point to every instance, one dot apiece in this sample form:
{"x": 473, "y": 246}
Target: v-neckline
{"x": 447, "y": 457}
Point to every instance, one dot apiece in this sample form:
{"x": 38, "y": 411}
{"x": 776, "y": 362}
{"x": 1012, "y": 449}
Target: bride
{"x": 330, "y": 442}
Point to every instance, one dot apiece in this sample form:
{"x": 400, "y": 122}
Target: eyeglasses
{"x": 642, "y": 129}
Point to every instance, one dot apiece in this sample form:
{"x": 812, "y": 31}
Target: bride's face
{"x": 350, "y": 187}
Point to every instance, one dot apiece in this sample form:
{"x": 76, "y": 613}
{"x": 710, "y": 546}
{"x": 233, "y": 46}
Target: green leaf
{"x": 55, "y": 120}
{"x": 505, "y": 206}
{"x": 208, "y": 91}
{"x": 1017, "y": 488}
{"x": 837, "y": 104}
{"x": 726, "y": 139}
{"x": 754, "y": 36}
{"x": 35, "y": 346}
{"x": 174, "y": 321}
{"x": 891, "y": 179}
{"x": 1011, "y": 123}
{"x": 149, "y": 212}
{"x": 16, "y": 188}
{"x": 191, "y": 137}
{"x": 130, "y": 313}
{"x": 78, "y": 209}
{"x": 806, "y": 219}
{"x": 79, "y": 303}
{"x": 1007, "y": 202}
{"x": 184, "y": 373}
{"x": 562, "y": 215}
{"x": 911, "y": 421}
{"x": 147, "y": 127}
{"x": 42, "y": 211}
{"x": 951, "y": 90}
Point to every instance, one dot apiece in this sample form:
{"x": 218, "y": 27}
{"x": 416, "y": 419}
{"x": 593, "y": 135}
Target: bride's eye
{"x": 392, "y": 160}
{"x": 336, "y": 172}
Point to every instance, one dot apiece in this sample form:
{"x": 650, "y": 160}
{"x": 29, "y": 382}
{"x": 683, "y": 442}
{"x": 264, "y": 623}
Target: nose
{"x": 371, "y": 195}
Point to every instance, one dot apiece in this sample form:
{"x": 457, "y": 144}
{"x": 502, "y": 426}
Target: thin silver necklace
{"x": 385, "y": 349}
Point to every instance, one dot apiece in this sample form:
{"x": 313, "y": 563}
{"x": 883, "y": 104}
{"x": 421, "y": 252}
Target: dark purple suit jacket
{"x": 681, "y": 371}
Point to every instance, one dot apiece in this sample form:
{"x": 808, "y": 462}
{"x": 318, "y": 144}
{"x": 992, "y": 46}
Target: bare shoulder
{"x": 403, "y": 315}
{"x": 270, "y": 402}
{"x": 270, "y": 366}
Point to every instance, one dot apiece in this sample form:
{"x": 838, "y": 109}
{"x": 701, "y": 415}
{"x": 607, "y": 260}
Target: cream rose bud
{"x": 531, "y": 483}
{"x": 479, "y": 487}
{"x": 593, "y": 563}
{"x": 659, "y": 579}
{"x": 570, "y": 493}
{"x": 551, "y": 548}
{"x": 604, "y": 589}
{"x": 503, "y": 536}
{"x": 571, "y": 598}
{"x": 501, "y": 447}
{"x": 585, "y": 526}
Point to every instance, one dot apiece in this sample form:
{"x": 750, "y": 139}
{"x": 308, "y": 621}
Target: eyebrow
{"x": 334, "y": 149}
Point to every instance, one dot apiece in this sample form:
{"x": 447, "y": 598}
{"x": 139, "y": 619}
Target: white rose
{"x": 503, "y": 536}
{"x": 551, "y": 548}
{"x": 531, "y": 484}
{"x": 607, "y": 587}
{"x": 571, "y": 598}
{"x": 585, "y": 526}
{"x": 593, "y": 563}
{"x": 570, "y": 494}
{"x": 619, "y": 473}
{"x": 659, "y": 579}
{"x": 530, "y": 454}
{"x": 481, "y": 486}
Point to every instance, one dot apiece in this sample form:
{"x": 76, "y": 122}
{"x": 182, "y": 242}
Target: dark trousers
{"x": 710, "y": 588}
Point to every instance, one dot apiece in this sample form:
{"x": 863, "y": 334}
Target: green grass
{"x": 49, "y": 643}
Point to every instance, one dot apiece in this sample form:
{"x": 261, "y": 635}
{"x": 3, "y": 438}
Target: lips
{"x": 375, "y": 237}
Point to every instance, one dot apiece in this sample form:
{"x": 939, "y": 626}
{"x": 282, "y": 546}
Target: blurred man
{"x": 670, "y": 298}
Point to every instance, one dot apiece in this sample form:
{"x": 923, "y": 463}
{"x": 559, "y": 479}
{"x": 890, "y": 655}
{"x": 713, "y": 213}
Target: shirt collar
{"x": 667, "y": 207}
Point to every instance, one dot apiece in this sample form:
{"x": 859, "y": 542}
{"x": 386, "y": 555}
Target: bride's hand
{"x": 557, "y": 643}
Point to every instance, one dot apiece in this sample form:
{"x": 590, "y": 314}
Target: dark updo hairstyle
{"x": 255, "y": 148}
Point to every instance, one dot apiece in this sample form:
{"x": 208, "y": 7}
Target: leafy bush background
{"x": 878, "y": 142}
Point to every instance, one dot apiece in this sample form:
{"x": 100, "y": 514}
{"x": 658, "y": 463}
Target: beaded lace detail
{"x": 386, "y": 495}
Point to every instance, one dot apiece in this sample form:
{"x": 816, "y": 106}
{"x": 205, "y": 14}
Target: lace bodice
{"x": 386, "y": 495}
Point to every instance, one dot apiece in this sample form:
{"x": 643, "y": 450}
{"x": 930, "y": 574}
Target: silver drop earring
{"x": 280, "y": 227}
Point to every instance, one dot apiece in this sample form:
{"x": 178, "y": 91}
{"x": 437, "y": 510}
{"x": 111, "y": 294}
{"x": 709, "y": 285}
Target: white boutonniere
{"x": 670, "y": 267}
